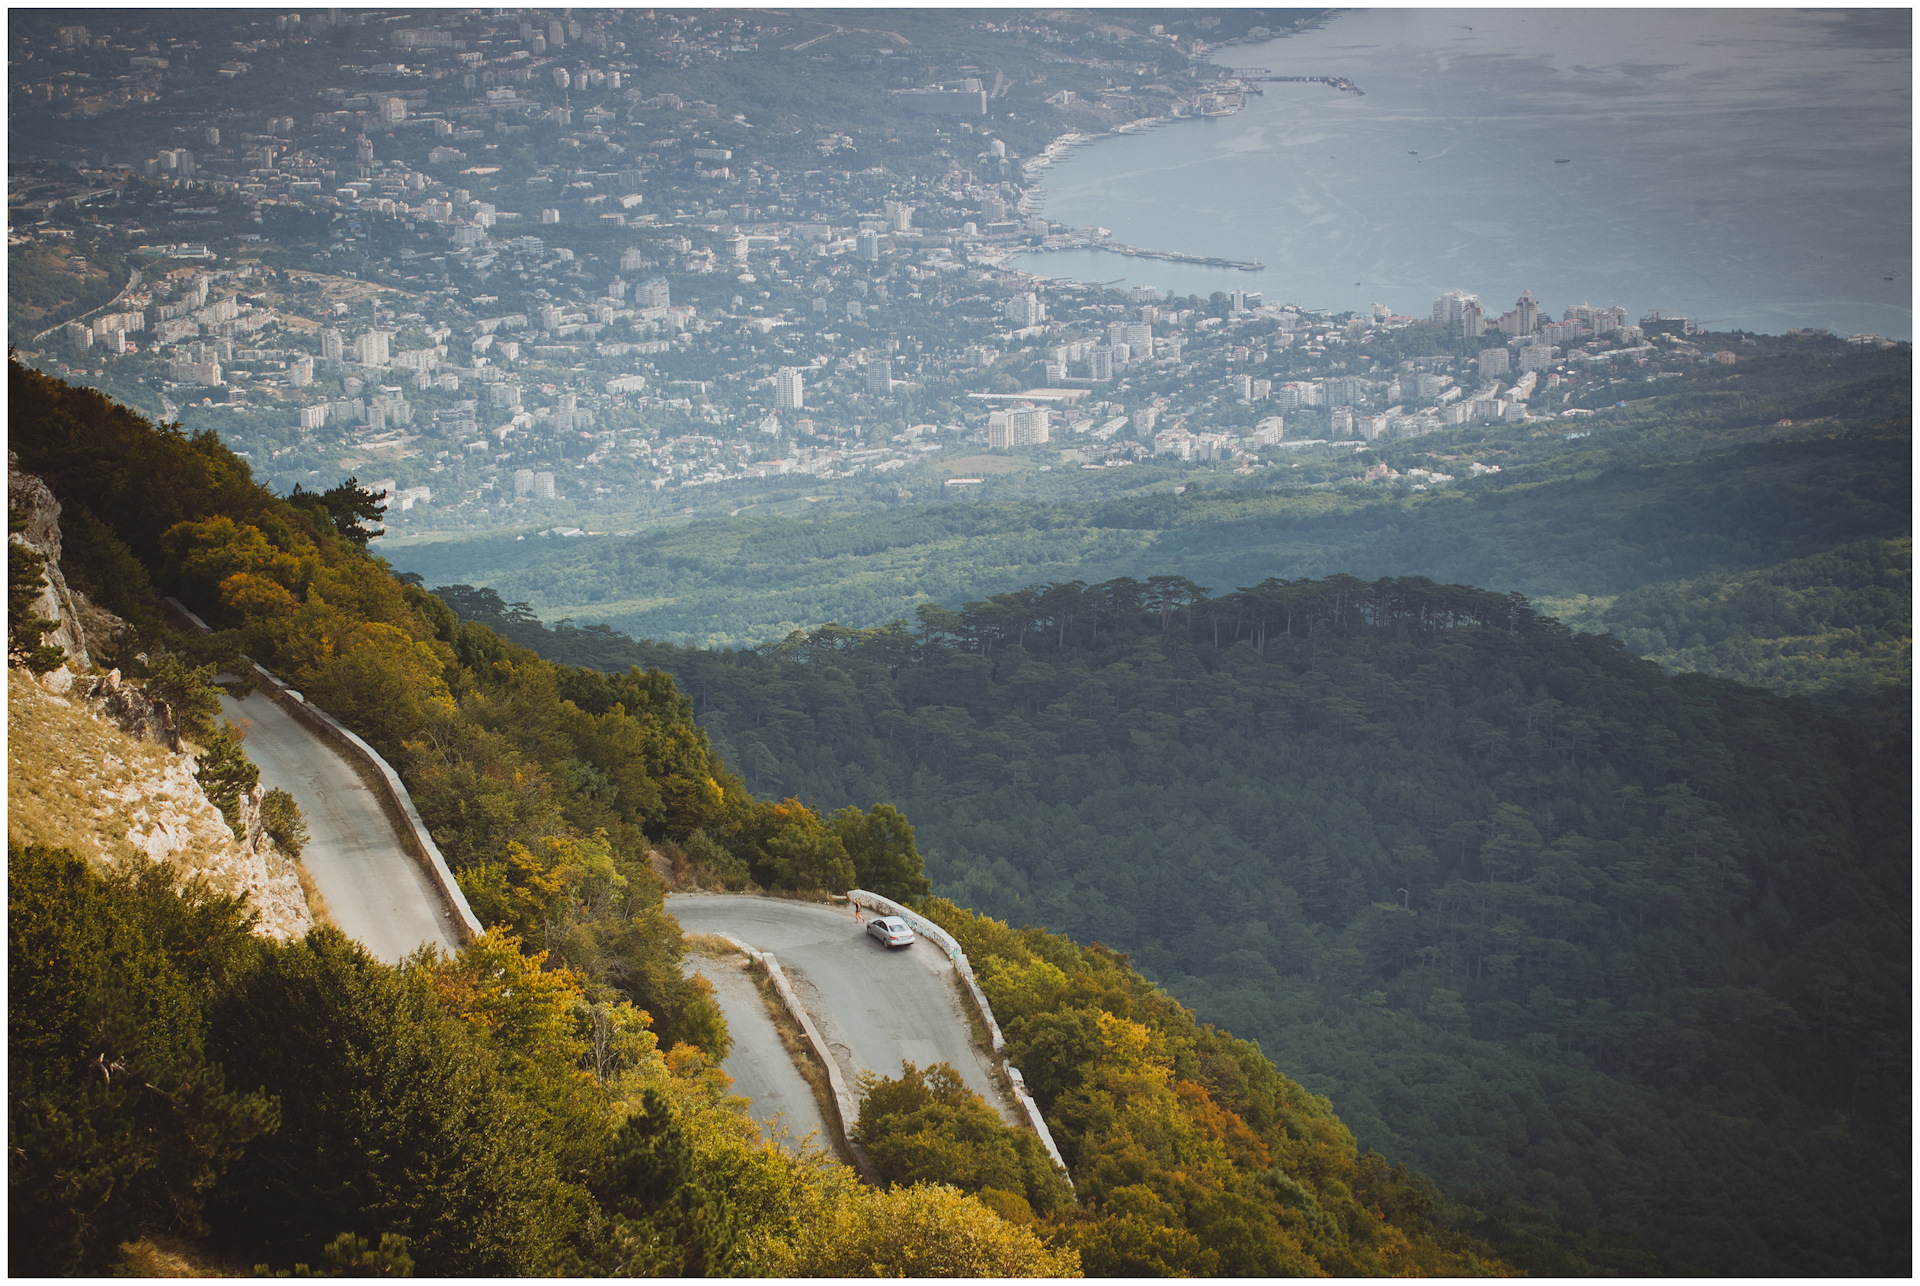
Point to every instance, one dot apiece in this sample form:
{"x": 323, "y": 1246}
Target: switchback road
{"x": 761, "y": 1068}
{"x": 875, "y": 1007}
{"x": 374, "y": 890}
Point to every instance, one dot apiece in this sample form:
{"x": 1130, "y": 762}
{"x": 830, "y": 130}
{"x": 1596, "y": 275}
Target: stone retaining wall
{"x": 843, "y": 1101}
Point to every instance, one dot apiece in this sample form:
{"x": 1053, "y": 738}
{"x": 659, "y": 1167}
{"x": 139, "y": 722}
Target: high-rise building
{"x": 1598, "y": 320}
{"x": 880, "y": 378}
{"x": 899, "y": 216}
{"x": 1450, "y": 307}
{"x": 1493, "y": 362}
{"x": 543, "y": 486}
{"x": 1343, "y": 390}
{"x": 788, "y": 391}
{"x": 1019, "y": 427}
{"x": 1473, "y": 321}
{"x": 867, "y": 246}
{"x": 1527, "y": 310}
{"x": 651, "y": 293}
{"x": 1100, "y": 363}
{"x": 1024, "y": 310}
{"x": 300, "y": 372}
{"x": 522, "y": 483}
{"x": 371, "y": 348}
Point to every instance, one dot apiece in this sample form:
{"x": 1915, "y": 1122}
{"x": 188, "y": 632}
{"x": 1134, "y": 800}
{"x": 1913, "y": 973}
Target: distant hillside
{"x": 1835, "y": 621}
{"x": 1630, "y": 947}
{"x": 1673, "y": 491}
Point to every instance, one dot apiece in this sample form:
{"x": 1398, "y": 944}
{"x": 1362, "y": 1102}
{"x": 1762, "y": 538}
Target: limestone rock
{"x": 97, "y": 766}
{"x": 31, "y": 496}
{"x": 77, "y": 780}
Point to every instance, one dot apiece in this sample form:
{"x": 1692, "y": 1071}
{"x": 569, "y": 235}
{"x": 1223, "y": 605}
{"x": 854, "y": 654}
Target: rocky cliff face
{"x": 96, "y": 767}
{"x": 79, "y": 619}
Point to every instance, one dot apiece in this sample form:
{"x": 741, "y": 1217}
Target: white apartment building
{"x": 1019, "y": 427}
{"x": 789, "y": 391}
{"x": 1024, "y": 310}
{"x": 371, "y": 348}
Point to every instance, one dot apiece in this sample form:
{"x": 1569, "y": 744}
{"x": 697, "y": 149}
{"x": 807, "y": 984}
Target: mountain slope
{"x": 1630, "y": 946}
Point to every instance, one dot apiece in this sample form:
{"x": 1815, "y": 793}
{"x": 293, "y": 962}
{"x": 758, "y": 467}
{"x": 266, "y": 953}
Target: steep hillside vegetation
{"x": 1532, "y": 914}
{"x": 546, "y": 1101}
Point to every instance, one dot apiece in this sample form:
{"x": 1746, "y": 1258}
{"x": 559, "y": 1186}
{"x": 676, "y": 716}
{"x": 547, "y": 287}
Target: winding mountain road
{"x": 762, "y": 1070}
{"x": 374, "y": 890}
{"x": 876, "y": 1007}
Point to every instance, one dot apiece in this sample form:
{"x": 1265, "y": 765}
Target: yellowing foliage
{"x": 927, "y": 1230}
{"x": 1190, "y": 1153}
{"x": 495, "y": 986}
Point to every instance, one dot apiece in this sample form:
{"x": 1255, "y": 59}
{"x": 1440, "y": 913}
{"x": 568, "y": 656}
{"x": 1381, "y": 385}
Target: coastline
{"x": 1367, "y": 216}
{"x": 1033, "y": 196}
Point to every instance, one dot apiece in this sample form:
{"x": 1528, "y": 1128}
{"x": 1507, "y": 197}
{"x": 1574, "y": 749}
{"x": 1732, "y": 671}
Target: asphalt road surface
{"x": 374, "y": 890}
{"x": 876, "y": 1007}
{"x": 761, "y": 1068}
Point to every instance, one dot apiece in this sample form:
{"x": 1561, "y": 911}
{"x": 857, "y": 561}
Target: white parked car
{"x": 891, "y": 930}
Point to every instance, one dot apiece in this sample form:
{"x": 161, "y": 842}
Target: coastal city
{"x": 960, "y": 643}
{"x": 489, "y": 268}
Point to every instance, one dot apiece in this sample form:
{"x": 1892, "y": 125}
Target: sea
{"x": 1749, "y": 169}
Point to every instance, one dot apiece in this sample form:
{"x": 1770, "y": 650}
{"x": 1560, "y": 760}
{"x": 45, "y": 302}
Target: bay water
{"x": 1750, "y": 169}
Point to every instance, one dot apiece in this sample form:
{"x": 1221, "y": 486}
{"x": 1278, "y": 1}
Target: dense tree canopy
{"x": 1536, "y": 916}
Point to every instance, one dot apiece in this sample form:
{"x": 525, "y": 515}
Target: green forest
{"x": 185, "y": 1096}
{"x": 1535, "y": 916}
{"x": 1838, "y": 621}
